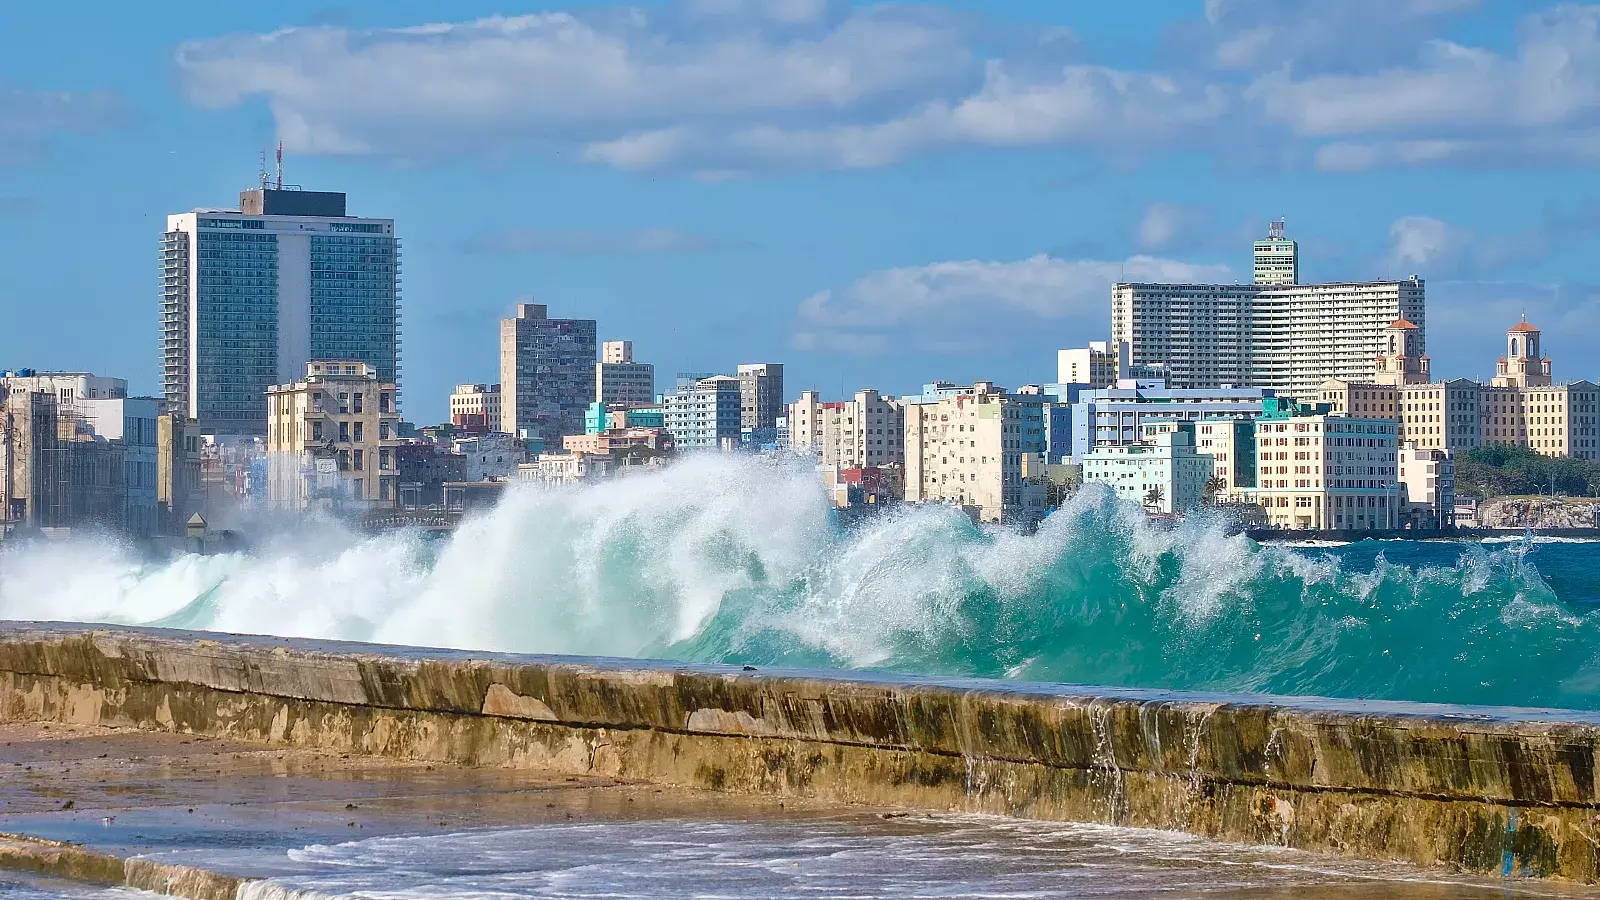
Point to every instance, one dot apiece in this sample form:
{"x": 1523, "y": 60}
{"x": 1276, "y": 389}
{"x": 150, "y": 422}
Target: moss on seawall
{"x": 1488, "y": 791}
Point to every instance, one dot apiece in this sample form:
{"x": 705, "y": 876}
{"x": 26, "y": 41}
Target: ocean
{"x": 740, "y": 560}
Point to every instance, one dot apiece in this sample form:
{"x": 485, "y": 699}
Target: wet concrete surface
{"x": 241, "y": 809}
{"x": 129, "y": 792}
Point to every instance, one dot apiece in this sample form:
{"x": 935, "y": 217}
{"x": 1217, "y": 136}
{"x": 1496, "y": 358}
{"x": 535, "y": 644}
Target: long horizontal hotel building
{"x": 1274, "y": 333}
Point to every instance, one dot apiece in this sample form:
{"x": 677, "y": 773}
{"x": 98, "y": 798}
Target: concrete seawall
{"x": 1509, "y": 792}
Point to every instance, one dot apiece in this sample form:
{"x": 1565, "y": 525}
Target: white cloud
{"x": 725, "y": 87}
{"x": 1455, "y": 103}
{"x": 1420, "y": 243}
{"x": 784, "y": 85}
{"x": 559, "y": 78}
{"x": 914, "y": 306}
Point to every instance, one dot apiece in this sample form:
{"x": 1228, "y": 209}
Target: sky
{"x": 876, "y": 195}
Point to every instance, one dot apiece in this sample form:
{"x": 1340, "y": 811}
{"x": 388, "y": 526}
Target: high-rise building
{"x": 760, "y": 395}
{"x": 619, "y": 381}
{"x": 250, "y": 295}
{"x": 1277, "y": 259}
{"x": 704, "y": 414}
{"x": 331, "y": 438}
{"x": 1285, "y": 336}
{"x": 547, "y": 374}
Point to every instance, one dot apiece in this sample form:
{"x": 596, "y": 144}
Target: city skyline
{"x": 969, "y": 252}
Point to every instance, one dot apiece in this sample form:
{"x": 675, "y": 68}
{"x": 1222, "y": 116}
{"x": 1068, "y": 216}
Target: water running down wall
{"x": 1483, "y": 790}
{"x": 733, "y": 559}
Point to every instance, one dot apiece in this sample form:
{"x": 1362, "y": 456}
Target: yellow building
{"x": 1319, "y": 471}
{"x": 867, "y": 431}
{"x": 1521, "y": 407}
{"x": 331, "y": 438}
{"x": 976, "y": 449}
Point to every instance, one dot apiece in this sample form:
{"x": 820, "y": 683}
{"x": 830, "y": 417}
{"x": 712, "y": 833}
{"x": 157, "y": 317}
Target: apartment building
{"x": 250, "y": 295}
{"x": 331, "y": 438}
{"x": 547, "y": 374}
{"x": 1316, "y": 470}
{"x": 704, "y": 413}
{"x": 619, "y": 381}
{"x": 1114, "y": 415}
{"x": 979, "y": 448}
{"x": 476, "y": 406}
{"x": 1231, "y": 444}
{"x": 760, "y": 395}
{"x": 1277, "y": 259}
{"x": 1287, "y": 337}
{"x": 1521, "y": 407}
{"x": 867, "y": 431}
{"x": 1428, "y": 486}
{"x": 1163, "y": 471}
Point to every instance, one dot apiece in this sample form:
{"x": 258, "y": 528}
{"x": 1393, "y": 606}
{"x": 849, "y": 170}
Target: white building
{"x": 619, "y": 381}
{"x": 476, "y": 405}
{"x": 704, "y": 414}
{"x": 250, "y": 295}
{"x": 1277, "y": 259}
{"x": 1320, "y": 471}
{"x": 1162, "y": 472}
{"x": 570, "y": 467}
{"x": 980, "y": 449}
{"x": 1282, "y": 336}
{"x": 866, "y": 431}
{"x": 1428, "y": 483}
{"x": 1115, "y": 415}
{"x": 1231, "y": 444}
{"x": 491, "y": 457}
{"x": 1101, "y": 364}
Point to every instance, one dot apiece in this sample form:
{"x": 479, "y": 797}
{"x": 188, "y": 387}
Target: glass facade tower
{"x": 249, "y": 296}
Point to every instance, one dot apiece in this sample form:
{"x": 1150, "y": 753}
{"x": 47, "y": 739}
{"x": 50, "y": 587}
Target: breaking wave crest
{"x": 739, "y": 560}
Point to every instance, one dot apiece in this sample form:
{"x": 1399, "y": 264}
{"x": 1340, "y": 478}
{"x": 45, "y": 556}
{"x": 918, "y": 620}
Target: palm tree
{"x": 1154, "y": 496}
{"x": 1213, "y": 486}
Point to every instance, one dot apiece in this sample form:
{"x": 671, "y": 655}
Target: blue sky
{"x": 877, "y": 195}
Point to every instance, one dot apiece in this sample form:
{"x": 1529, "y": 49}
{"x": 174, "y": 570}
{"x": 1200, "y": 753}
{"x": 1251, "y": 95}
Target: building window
{"x": 358, "y": 455}
{"x": 344, "y": 431}
{"x": 316, "y": 431}
{"x": 359, "y": 425}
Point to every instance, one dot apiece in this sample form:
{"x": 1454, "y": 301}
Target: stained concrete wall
{"x": 1493, "y": 791}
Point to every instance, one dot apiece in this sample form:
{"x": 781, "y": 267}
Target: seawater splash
{"x": 737, "y": 559}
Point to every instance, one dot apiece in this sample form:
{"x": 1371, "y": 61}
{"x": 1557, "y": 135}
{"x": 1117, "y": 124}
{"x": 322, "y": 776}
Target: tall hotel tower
{"x": 250, "y": 295}
{"x": 1273, "y": 333}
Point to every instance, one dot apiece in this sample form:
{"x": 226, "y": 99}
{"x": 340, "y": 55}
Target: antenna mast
{"x": 263, "y": 172}
{"x": 280, "y": 165}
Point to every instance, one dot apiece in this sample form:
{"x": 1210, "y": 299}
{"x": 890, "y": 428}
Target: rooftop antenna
{"x": 280, "y": 165}
{"x": 263, "y": 172}
{"x": 1275, "y": 230}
